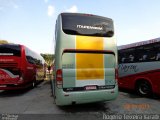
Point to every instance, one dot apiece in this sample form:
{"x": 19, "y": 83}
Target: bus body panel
{"x": 15, "y": 70}
{"x": 69, "y": 98}
{"x": 130, "y": 72}
{"x": 129, "y": 81}
{"x": 82, "y": 69}
{"x": 68, "y": 60}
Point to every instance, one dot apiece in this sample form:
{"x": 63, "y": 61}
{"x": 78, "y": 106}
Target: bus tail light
{"x": 59, "y": 77}
{"x": 21, "y": 77}
{"x": 17, "y": 71}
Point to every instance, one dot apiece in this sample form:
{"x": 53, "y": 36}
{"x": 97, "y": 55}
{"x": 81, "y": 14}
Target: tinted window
{"x": 127, "y": 55}
{"x": 89, "y": 25}
{"x": 157, "y": 51}
{"x": 33, "y": 58}
{"x": 145, "y": 53}
{"x": 10, "y": 50}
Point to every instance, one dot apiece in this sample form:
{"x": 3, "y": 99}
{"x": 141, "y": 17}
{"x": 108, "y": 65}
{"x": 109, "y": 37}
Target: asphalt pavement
{"x": 38, "y": 103}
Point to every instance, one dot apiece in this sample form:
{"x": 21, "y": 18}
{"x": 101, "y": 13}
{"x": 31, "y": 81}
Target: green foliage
{"x": 3, "y": 41}
{"x": 48, "y": 58}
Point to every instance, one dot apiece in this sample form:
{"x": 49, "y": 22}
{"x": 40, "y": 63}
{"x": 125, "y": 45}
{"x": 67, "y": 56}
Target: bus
{"x": 20, "y": 67}
{"x": 139, "y": 67}
{"x": 86, "y": 64}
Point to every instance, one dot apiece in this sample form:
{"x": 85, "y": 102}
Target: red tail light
{"x": 59, "y": 77}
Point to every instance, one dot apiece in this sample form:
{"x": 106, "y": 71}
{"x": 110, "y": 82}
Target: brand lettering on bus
{"x": 126, "y": 68}
{"x": 8, "y": 60}
{"x": 2, "y": 76}
{"x": 67, "y": 66}
{"x": 89, "y": 27}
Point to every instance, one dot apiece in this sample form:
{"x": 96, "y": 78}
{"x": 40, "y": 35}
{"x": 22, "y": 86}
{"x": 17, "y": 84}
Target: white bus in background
{"x": 139, "y": 67}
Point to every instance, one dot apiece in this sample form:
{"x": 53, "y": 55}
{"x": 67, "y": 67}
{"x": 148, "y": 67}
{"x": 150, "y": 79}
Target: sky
{"x": 32, "y": 22}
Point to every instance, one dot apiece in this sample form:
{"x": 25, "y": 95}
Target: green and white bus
{"x": 85, "y": 59}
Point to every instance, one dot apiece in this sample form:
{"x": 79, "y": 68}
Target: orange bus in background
{"x": 20, "y": 67}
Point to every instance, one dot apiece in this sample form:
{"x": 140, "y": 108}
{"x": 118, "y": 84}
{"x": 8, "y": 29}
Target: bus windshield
{"x": 88, "y": 25}
{"x": 10, "y": 50}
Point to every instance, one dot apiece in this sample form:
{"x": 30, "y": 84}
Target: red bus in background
{"x": 139, "y": 67}
{"x": 20, "y": 67}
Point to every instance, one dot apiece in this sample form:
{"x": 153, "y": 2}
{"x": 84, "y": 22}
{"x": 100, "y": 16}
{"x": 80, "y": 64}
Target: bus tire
{"x": 144, "y": 88}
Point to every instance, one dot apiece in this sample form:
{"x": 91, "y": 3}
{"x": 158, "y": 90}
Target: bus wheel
{"x": 144, "y": 88}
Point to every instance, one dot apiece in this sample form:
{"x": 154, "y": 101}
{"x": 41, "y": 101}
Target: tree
{"x": 48, "y": 58}
{"x": 3, "y": 41}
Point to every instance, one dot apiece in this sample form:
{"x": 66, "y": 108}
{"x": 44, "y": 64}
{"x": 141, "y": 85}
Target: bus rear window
{"x": 89, "y": 25}
{"x": 10, "y": 50}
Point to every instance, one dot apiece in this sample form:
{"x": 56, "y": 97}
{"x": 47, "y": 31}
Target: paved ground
{"x": 39, "y": 102}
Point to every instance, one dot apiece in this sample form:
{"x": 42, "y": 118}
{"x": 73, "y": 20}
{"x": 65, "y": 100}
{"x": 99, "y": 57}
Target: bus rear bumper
{"x": 69, "y": 98}
{"x": 14, "y": 86}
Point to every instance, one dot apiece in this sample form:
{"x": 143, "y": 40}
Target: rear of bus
{"x": 10, "y": 66}
{"x": 85, "y": 59}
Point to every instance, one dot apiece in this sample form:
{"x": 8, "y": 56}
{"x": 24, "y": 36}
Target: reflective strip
{"x": 9, "y": 73}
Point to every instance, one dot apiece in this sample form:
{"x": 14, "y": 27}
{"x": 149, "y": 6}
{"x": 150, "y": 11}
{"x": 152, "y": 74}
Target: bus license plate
{"x": 91, "y": 87}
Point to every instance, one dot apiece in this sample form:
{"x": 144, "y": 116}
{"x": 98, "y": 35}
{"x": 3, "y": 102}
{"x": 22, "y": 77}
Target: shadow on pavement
{"x": 90, "y": 107}
{"x": 133, "y": 94}
{"x": 18, "y": 92}
{"x": 12, "y": 93}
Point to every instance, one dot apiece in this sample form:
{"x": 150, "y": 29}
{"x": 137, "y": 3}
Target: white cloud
{"x": 73, "y": 9}
{"x": 51, "y": 10}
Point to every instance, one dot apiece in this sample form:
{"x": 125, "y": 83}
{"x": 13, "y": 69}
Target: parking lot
{"x": 39, "y": 101}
